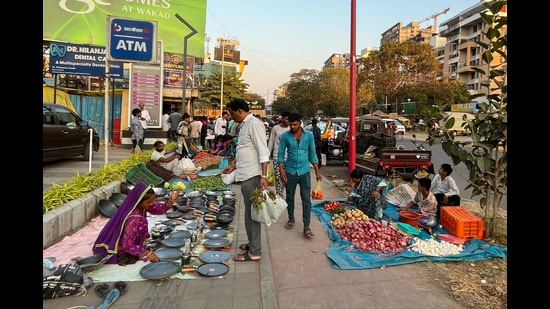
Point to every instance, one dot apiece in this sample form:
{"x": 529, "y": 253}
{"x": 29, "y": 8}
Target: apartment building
{"x": 338, "y": 61}
{"x": 461, "y": 52}
{"x": 455, "y": 44}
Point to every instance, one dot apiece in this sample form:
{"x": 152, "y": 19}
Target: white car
{"x": 400, "y": 127}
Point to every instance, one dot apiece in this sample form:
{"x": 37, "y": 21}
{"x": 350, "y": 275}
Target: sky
{"x": 282, "y": 37}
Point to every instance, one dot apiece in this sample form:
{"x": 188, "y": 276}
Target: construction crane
{"x": 434, "y": 16}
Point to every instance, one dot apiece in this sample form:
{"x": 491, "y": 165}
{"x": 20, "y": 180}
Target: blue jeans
{"x": 305, "y": 195}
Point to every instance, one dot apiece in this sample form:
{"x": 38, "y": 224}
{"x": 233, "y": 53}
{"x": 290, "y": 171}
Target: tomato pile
{"x": 331, "y": 206}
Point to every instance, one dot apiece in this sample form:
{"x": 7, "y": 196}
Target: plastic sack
{"x": 270, "y": 175}
{"x": 186, "y": 163}
{"x": 317, "y": 192}
{"x": 228, "y": 178}
{"x": 275, "y": 207}
{"x": 137, "y": 150}
{"x": 261, "y": 215}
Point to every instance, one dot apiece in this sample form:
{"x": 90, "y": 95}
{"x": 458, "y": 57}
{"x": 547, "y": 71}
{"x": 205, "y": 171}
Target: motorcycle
{"x": 417, "y": 146}
{"x": 334, "y": 150}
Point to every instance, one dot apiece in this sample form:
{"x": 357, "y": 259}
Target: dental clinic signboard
{"x": 79, "y": 59}
{"x": 131, "y": 40}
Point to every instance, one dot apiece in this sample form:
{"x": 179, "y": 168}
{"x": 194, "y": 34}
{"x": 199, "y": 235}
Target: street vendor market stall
{"x": 191, "y": 241}
{"x": 345, "y": 254}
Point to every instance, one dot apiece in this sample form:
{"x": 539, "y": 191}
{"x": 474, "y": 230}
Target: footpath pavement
{"x": 294, "y": 272}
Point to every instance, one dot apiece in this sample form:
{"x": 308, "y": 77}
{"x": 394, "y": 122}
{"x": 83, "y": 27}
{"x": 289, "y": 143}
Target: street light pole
{"x": 352, "y": 90}
{"x": 193, "y": 32}
{"x": 267, "y": 101}
{"x": 221, "y": 94}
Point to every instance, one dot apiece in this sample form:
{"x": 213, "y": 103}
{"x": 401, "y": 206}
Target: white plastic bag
{"x": 228, "y": 178}
{"x": 261, "y": 215}
{"x": 275, "y": 207}
{"x": 186, "y": 163}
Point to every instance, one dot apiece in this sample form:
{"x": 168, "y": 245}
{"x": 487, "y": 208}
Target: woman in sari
{"x": 125, "y": 234}
{"x": 370, "y": 196}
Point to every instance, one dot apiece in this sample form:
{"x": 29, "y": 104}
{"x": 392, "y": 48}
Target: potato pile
{"x": 348, "y": 217}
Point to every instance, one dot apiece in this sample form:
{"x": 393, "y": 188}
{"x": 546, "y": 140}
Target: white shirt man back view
{"x": 145, "y": 116}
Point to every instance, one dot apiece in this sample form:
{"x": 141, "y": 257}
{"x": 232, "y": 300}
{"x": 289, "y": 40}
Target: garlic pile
{"x": 436, "y": 248}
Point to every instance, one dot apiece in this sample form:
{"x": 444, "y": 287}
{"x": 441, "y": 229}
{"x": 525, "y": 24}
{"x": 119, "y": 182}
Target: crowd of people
{"x": 251, "y": 146}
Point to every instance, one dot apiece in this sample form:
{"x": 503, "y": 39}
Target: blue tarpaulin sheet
{"x": 344, "y": 255}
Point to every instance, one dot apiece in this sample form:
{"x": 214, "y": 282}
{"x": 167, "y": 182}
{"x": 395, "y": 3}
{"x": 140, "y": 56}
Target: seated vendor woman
{"x": 370, "y": 196}
{"x": 355, "y": 176}
{"x": 125, "y": 233}
{"x": 427, "y": 205}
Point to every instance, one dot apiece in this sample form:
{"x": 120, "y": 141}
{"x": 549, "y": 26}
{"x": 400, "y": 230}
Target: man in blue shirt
{"x": 299, "y": 147}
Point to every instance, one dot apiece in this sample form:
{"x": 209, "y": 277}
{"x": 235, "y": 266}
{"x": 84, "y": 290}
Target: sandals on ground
{"x": 121, "y": 286}
{"x": 102, "y": 290}
{"x": 307, "y": 232}
{"x": 290, "y": 224}
{"x": 244, "y": 247}
{"x": 245, "y": 257}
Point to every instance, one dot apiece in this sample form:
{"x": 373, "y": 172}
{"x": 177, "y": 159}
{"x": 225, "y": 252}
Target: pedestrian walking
{"x": 296, "y": 152}
{"x": 250, "y": 166}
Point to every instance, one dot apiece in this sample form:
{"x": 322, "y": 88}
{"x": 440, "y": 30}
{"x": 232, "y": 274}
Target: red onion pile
{"x": 371, "y": 235}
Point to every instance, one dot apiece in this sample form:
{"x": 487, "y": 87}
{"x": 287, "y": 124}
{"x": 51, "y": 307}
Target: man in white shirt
{"x": 221, "y": 124}
{"x": 444, "y": 188}
{"x": 195, "y": 130}
{"x": 144, "y": 116}
{"x": 167, "y": 159}
{"x": 165, "y": 124}
{"x": 273, "y": 146}
{"x": 250, "y": 166}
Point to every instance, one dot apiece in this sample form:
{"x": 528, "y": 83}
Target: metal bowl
{"x": 193, "y": 194}
{"x": 107, "y": 208}
{"x": 197, "y": 200}
{"x": 162, "y": 198}
{"x": 229, "y": 193}
{"x": 160, "y": 191}
{"x": 126, "y": 187}
{"x": 211, "y": 195}
{"x": 224, "y": 218}
{"x": 181, "y": 200}
{"x": 117, "y": 198}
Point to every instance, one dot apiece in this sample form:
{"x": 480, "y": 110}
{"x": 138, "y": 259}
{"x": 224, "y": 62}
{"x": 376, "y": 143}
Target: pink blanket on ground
{"x": 78, "y": 245}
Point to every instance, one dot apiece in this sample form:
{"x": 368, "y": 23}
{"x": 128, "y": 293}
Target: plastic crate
{"x": 382, "y": 140}
{"x": 461, "y": 223}
{"x": 140, "y": 173}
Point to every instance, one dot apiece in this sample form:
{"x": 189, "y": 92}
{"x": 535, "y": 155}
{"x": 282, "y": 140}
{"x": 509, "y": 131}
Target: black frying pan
{"x": 107, "y": 208}
{"x": 224, "y": 218}
{"x": 117, "y": 198}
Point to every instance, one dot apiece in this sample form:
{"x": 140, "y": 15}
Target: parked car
{"x": 400, "y": 127}
{"x": 65, "y": 134}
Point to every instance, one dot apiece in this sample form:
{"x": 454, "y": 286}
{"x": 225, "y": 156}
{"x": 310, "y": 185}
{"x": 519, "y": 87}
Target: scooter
{"x": 417, "y": 146}
{"x": 335, "y": 151}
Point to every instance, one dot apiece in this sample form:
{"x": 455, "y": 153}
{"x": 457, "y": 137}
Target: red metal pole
{"x": 352, "y": 92}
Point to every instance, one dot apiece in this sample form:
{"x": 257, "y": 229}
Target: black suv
{"x": 65, "y": 134}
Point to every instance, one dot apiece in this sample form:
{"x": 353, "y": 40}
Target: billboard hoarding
{"x": 83, "y": 21}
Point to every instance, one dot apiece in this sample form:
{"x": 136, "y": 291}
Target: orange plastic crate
{"x": 461, "y": 223}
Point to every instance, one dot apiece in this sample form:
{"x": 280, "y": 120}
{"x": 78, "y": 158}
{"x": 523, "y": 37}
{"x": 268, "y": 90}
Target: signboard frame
{"x": 131, "y": 40}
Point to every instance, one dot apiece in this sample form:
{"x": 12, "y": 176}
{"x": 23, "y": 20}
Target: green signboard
{"x": 85, "y": 21}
